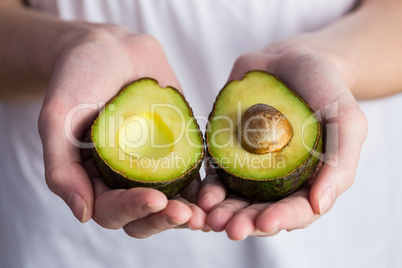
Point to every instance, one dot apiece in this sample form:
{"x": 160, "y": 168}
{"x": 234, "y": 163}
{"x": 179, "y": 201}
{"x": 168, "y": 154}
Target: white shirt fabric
{"x": 202, "y": 39}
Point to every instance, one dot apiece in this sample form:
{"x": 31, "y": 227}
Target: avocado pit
{"x": 264, "y": 129}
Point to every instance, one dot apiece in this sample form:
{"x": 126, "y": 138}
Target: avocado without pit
{"x": 147, "y": 136}
{"x": 263, "y": 139}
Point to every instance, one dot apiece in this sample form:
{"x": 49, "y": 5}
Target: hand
{"x": 92, "y": 69}
{"x": 318, "y": 81}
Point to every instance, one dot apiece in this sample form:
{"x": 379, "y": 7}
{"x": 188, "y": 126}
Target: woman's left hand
{"x": 319, "y": 82}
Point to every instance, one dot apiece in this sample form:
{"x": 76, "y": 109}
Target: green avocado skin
{"x": 270, "y": 190}
{"x": 116, "y": 181}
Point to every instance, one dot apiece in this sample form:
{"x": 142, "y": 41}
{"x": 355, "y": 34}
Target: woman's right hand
{"x": 95, "y": 63}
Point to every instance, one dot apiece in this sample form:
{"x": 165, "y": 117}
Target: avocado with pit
{"x": 147, "y": 136}
{"x": 263, "y": 139}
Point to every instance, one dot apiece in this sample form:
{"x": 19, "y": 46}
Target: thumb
{"x": 72, "y": 184}
{"x": 340, "y": 161}
{"x": 64, "y": 174}
{"x": 251, "y": 61}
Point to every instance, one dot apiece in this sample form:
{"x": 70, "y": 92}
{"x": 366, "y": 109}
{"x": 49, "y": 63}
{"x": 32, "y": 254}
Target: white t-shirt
{"x": 202, "y": 39}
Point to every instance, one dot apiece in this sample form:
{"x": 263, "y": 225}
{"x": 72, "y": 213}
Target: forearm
{"x": 30, "y": 44}
{"x": 366, "y": 46}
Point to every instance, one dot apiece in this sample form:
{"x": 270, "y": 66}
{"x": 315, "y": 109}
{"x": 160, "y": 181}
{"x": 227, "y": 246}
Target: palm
{"x": 85, "y": 77}
{"x": 319, "y": 83}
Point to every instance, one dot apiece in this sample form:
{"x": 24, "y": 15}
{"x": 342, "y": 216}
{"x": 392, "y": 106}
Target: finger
{"x": 243, "y": 223}
{"x": 175, "y": 214}
{"x": 198, "y": 217}
{"x": 212, "y": 192}
{"x": 292, "y": 212}
{"x": 189, "y": 196}
{"x": 340, "y": 161}
{"x": 116, "y": 208}
{"x": 224, "y": 211}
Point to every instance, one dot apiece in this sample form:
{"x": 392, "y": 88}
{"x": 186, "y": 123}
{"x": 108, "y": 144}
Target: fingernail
{"x": 326, "y": 200}
{"x": 206, "y": 229}
{"x": 173, "y": 222}
{"x": 152, "y": 208}
{"x": 244, "y": 237}
{"x": 189, "y": 227}
{"x": 274, "y": 231}
{"x": 78, "y": 206}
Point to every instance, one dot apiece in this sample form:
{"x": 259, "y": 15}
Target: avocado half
{"x": 258, "y": 174}
{"x": 147, "y": 136}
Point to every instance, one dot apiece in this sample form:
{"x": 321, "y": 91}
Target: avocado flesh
{"x": 267, "y": 176}
{"x": 147, "y": 137}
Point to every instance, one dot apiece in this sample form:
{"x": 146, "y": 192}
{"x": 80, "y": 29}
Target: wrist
{"x": 65, "y": 37}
